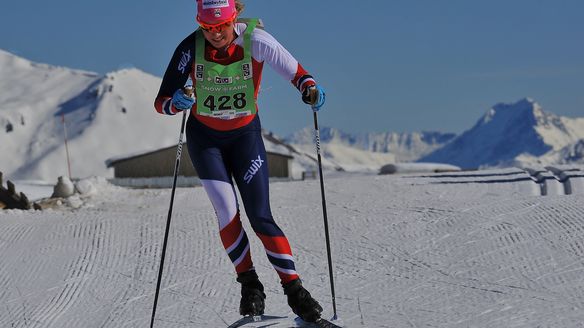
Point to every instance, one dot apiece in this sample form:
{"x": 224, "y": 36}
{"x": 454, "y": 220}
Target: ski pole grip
{"x": 189, "y": 91}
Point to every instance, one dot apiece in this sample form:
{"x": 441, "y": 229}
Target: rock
{"x": 64, "y": 188}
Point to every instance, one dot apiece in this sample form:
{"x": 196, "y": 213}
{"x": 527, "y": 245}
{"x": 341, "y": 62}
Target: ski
{"x": 259, "y": 321}
{"x": 263, "y": 321}
{"x": 320, "y": 323}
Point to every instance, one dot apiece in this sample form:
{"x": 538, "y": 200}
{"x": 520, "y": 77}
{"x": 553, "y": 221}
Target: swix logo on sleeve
{"x": 184, "y": 61}
{"x": 253, "y": 169}
{"x": 209, "y": 4}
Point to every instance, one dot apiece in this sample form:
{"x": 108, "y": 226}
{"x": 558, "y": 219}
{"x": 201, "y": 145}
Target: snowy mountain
{"x": 521, "y": 133}
{"x": 105, "y": 116}
{"x": 405, "y": 147}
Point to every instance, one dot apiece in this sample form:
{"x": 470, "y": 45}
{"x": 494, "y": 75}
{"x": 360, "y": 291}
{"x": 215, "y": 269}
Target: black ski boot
{"x": 252, "y": 294}
{"x": 299, "y": 299}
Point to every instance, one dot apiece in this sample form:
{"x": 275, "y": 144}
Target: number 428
{"x": 225, "y": 102}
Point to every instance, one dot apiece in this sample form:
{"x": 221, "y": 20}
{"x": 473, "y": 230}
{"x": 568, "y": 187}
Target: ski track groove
{"x": 141, "y": 271}
{"x": 52, "y": 307}
{"x": 90, "y": 243}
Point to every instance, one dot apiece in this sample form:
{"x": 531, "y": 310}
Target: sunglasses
{"x": 219, "y": 27}
{"x": 216, "y": 27}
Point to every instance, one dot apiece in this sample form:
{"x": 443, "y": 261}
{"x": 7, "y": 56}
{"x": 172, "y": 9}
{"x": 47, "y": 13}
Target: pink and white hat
{"x": 211, "y": 12}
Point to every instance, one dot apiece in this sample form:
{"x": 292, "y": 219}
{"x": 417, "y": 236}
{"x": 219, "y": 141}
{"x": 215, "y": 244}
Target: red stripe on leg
{"x": 278, "y": 244}
{"x": 231, "y": 231}
{"x": 285, "y": 278}
{"x": 246, "y": 264}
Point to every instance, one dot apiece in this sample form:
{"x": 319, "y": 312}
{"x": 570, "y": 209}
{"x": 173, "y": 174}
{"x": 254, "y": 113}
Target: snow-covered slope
{"x": 346, "y": 158}
{"x": 511, "y": 134}
{"x": 105, "y": 116}
{"x": 405, "y": 147}
{"x": 32, "y": 95}
{"x": 570, "y": 154}
{"x": 334, "y": 156}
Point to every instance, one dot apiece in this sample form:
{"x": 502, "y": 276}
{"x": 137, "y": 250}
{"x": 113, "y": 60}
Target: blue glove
{"x": 314, "y": 96}
{"x": 181, "y": 101}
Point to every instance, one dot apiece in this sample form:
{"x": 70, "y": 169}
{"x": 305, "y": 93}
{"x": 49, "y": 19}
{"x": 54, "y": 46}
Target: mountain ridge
{"x": 406, "y": 146}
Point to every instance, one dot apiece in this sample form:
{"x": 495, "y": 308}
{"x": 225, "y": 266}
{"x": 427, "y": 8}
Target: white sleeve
{"x": 265, "y": 48}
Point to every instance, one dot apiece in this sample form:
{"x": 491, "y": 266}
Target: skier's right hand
{"x": 314, "y": 96}
{"x": 182, "y": 101}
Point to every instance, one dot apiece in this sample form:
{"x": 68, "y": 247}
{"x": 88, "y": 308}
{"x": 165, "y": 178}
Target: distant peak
{"x": 525, "y": 103}
{"x": 522, "y": 109}
{"x": 528, "y": 102}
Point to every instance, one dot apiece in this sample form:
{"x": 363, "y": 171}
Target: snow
{"x": 35, "y": 190}
{"x": 520, "y": 133}
{"x": 105, "y": 116}
{"x": 462, "y": 249}
{"x": 403, "y": 146}
{"x": 350, "y": 159}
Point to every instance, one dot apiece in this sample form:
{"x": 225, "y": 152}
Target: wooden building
{"x": 161, "y": 162}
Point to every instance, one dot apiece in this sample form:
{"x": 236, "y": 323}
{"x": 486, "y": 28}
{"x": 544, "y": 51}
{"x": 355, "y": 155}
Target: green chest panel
{"x": 225, "y": 91}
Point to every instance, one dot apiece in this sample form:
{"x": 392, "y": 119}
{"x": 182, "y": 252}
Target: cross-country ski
{"x": 260, "y": 321}
{"x": 279, "y": 321}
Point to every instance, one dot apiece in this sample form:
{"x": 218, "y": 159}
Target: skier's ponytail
{"x": 239, "y": 6}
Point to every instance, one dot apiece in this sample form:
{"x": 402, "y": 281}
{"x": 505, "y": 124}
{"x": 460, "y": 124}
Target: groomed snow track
{"x": 473, "y": 249}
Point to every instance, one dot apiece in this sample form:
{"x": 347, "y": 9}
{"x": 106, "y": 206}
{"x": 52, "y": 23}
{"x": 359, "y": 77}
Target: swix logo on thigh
{"x": 253, "y": 169}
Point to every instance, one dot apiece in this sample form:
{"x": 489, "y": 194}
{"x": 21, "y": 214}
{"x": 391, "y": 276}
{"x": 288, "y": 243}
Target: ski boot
{"x": 252, "y": 294}
{"x": 302, "y": 304}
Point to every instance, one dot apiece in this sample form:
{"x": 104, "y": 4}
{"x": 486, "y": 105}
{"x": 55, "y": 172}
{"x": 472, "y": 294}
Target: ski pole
{"x": 176, "y": 169}
{"x": 326, "y": 228}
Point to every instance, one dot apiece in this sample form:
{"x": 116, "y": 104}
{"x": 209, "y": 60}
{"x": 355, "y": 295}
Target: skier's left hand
{"x": 314, "y": 96}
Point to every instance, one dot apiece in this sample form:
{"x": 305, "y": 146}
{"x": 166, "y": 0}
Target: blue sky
{"x": 407, "y": 65}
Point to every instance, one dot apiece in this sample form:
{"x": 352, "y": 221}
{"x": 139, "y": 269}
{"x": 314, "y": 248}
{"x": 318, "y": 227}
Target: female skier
{"x": 224, "y": 58}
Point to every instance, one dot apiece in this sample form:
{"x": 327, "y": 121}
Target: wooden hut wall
{"x": 156, "y": 164}
{"x": 161, "y": 163}
{"x": 278, "y": 165}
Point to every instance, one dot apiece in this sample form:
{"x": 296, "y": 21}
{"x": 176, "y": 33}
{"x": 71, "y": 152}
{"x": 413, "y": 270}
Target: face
{"x": 221, "y": 36}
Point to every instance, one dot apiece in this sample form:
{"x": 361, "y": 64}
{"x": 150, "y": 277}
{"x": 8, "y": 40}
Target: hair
{"x": 239, "y": 6}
